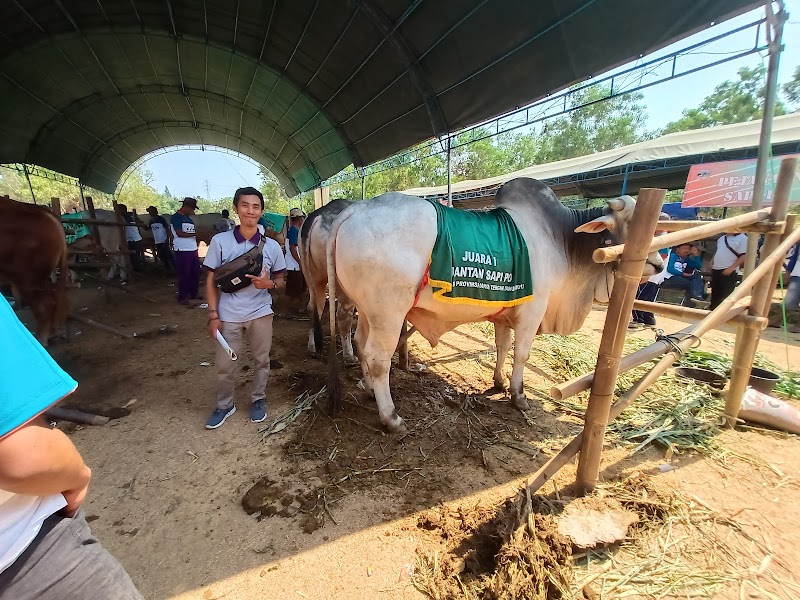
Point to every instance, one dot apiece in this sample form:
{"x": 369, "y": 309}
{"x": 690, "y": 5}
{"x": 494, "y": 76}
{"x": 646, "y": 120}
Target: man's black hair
{"x": 225, "y": 212}
{"x": 248, "y": 191}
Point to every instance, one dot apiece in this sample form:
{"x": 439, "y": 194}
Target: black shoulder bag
{"x": 232, "y": 276}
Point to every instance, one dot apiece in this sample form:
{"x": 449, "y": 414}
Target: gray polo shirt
{"x": 249, "y": 303}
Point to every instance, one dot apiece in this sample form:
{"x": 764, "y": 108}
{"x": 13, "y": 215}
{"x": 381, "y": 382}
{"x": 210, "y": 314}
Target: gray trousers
{"x": 66, "y": 562}
{"x": 259, "y": 335}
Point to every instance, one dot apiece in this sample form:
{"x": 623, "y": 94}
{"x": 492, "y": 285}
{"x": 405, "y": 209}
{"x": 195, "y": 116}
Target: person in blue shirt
{"x": 295, "y": 280}
{"x": 683, "y": 272}
{"x": 184, "y": 242}
{"x": 47, "y": 551}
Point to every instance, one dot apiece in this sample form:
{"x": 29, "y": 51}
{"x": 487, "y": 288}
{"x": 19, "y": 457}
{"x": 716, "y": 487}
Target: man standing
{"x": 133, "y": 237}
{"x": 158, "y": 225}
{"x": 47, "y": 551}
{"x": 730, "y": 255}
{"x": 295, "y": 281}
{"x": 247, "y": 311}
{"x": 184, "y": 242}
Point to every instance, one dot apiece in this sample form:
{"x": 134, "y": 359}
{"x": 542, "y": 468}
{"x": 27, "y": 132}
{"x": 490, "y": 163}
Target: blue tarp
{"x": 675, "y": 211}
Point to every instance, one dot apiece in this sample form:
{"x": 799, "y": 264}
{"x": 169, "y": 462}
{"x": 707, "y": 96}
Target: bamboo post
{"x": 626, "y": 282}
{"x": 697, "y": 314}
{"x": 747, "y": 339}
{"x": 715, "y": 317}
{"x": 791, "y": 222}
{"x": 612, "y": 253}
{"x": 755, "y": 227}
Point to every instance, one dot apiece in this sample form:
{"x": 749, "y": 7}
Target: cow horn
{"x": 616, "y": 204}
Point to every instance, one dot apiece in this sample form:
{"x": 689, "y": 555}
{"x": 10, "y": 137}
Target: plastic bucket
{"x": 703, "y": 375}
{"x": 762, "y": 380}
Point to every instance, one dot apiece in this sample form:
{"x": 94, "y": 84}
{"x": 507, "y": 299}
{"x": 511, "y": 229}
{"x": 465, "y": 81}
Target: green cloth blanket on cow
{"x": 480, "y": 258}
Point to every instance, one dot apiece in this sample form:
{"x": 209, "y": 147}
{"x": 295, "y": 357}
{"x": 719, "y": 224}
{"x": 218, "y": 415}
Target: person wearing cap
{"x": 247, "y": 311}
{"x": 184, "y": 242}
{"x": 295, "y": 281}
{"x": 160, "y": 228}
{"x": 47, "y": 551}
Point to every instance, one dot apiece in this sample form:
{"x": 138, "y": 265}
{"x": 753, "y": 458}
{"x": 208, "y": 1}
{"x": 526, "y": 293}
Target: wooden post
{"x": 101, "y": 326}
{"x": 724, "y": 312}
{"x": 94, "y": 228}
{"x": 747, "y": 339}
{"x": 626, "y": 282}
{"x": 127, "y": 257}
{"x": 55, "y": 206}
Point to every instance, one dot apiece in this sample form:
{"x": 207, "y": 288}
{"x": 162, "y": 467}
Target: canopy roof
{"x": 661, "y": 162}
{"x": 304, "y": 87}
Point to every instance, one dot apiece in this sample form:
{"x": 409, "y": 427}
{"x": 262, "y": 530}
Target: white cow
{"x": 378, "y": 261}
{"x": 313, "y": 243}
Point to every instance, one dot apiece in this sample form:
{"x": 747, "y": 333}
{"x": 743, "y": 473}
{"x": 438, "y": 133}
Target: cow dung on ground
{"x": 513, "y": 553}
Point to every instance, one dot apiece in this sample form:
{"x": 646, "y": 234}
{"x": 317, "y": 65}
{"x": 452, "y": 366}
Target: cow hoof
{"x": 397, "y": 426}
{"x": 350, "y": 361}
{"x": 497, "y": 387}
{"x": 520, "y": 401}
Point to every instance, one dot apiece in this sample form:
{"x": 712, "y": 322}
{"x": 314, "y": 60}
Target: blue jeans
{"x": 648, "y": 292}
{"x": 66, "y": 562}
{"x": 693, "y": 286}
{"x": 792, "y": 299}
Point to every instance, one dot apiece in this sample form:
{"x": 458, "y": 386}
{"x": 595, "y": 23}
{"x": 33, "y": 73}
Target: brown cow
{"x": 32, "y": 247}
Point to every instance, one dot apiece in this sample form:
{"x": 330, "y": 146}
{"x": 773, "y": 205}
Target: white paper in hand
{"x": 224, "y": 343}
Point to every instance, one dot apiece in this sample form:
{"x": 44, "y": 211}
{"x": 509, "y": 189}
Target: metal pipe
{"x": 775, "y": 24}
{"x": 28, "y": 178}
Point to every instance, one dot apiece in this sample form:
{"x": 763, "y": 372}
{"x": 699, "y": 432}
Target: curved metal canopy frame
{"x": 303, "y": 87}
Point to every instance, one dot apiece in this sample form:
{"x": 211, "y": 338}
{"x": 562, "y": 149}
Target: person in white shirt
{"x": 295, "y": 280}
{"x": 725, "y": 268}
{"x": 160, "y": 228}
{"x": 184, "y": 242}
{"x": 133, "y": 237}
{"x": 47, "y": 551}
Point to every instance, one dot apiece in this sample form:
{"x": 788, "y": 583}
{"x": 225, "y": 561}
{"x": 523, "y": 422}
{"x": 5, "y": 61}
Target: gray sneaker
{"x": 219, "y": 416}
{"x": 258, "y": 411}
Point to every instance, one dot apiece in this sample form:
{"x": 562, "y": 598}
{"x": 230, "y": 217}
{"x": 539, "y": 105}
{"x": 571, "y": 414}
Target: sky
{"x": 187, "y": 172}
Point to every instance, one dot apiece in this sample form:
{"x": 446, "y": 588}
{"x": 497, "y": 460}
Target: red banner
{"x": 730, "y": 183}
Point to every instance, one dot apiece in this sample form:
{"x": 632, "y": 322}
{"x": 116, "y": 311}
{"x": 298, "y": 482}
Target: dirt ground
{"x": 337, "y": 503}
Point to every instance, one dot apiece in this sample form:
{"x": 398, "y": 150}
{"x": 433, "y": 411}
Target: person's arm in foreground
{"x": 39, "y": 461}
{"x": 212, "y": 296}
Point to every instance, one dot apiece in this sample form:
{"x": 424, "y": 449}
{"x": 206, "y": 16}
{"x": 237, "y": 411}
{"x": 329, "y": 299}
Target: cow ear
{"x": 597, "y": 225}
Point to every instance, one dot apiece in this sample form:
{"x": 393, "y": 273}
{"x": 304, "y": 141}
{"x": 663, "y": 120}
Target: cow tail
{"x": 334, "y": 366}
{"x": 305, "y": 261}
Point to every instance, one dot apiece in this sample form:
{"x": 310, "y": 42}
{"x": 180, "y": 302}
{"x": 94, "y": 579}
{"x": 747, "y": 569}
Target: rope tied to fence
{"x": 673, "y": 341}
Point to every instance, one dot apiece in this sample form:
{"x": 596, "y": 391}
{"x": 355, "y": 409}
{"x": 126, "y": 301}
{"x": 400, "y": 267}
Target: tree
{"x": 602, "y": 123}
{"x": 791, "y": 89}
{"x": 730, "y": 102}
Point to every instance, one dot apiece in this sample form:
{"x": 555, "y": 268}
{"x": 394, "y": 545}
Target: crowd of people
{"x": 684, "y": 271}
